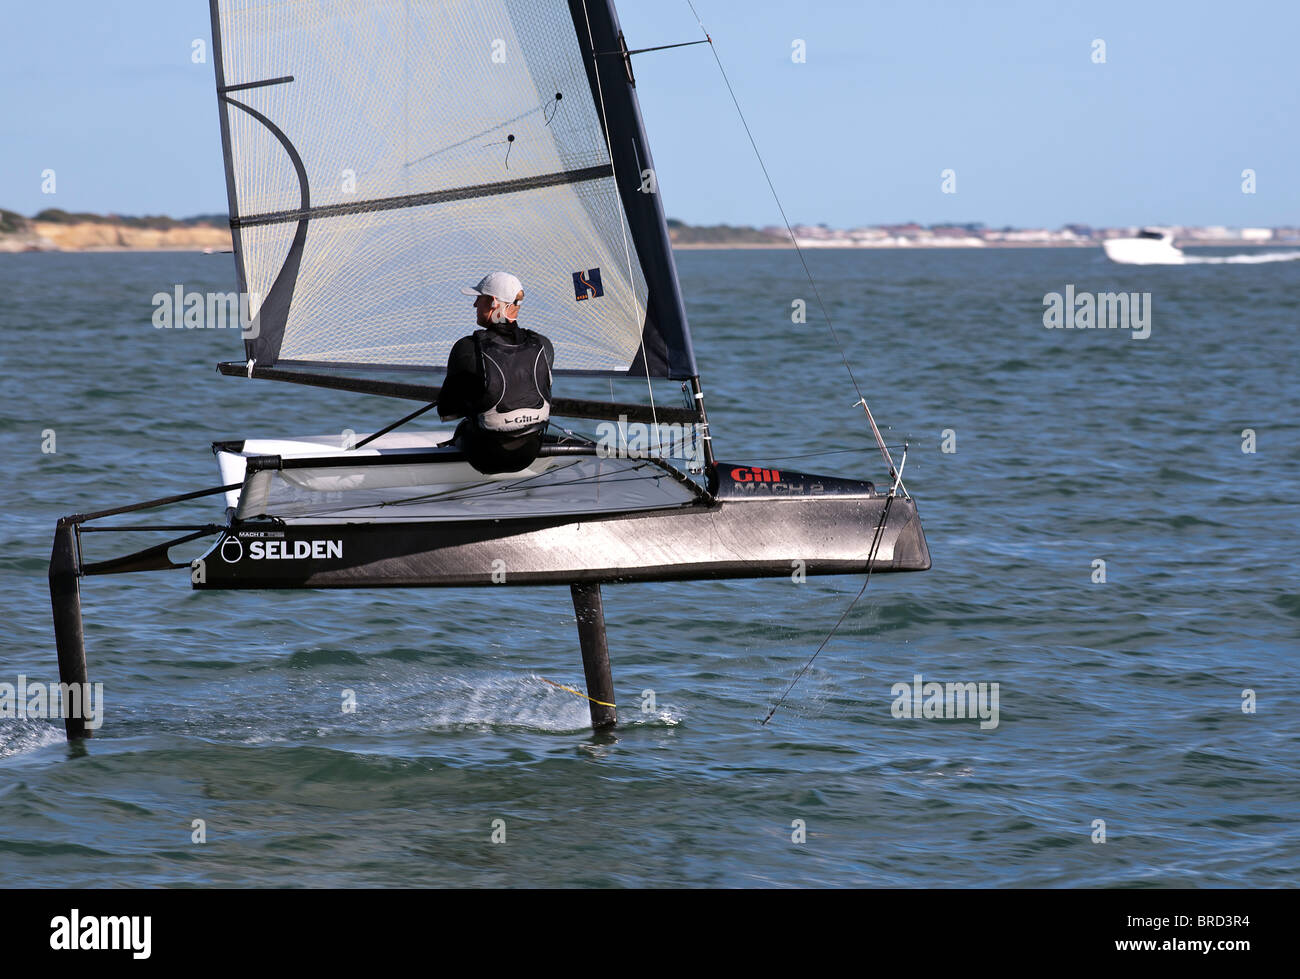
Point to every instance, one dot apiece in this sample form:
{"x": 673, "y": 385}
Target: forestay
{"x": 381, "y": 154}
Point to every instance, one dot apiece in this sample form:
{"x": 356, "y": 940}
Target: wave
{"x": 1241, "y": 259}
{"x": 523, "y": 703}
{"x": 19, "y": 737}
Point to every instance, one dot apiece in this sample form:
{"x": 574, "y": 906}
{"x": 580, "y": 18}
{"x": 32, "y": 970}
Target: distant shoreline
{"x": 57, "y": 231}
{"x": 787, "y": 246}
{"x": 110, "y": 236}
{"x": 692, "y": 247}
{"x": 115, "y": 250}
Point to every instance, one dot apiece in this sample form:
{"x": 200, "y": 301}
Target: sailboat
{"x": 380, "y": 156}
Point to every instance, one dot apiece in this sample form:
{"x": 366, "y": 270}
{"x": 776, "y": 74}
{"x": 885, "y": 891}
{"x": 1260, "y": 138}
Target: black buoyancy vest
{"x": 516, "y": 382}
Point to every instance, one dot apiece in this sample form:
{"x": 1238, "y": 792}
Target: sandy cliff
{"x": 88, "y": 236}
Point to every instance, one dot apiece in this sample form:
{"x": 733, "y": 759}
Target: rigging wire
{"x": 401, "y": 421}
{"x": 578, "y": 692}
{"x": 894, "y": 475}
{"x": 622, "y": 219}
{"x": 658, "y": 47}
{"x": 479, "y": 135}
{"x": 871, "y": 561}
{"x": 884, "y": 451}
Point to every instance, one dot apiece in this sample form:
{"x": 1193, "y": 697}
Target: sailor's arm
{"x": 460, "y": 389}
{"x": 549, "y": 349}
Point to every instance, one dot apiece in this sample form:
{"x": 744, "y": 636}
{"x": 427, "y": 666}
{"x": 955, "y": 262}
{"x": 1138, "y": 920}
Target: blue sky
{"x": 892, "y": 93}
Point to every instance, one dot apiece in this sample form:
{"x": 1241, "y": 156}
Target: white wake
{"x": 1241, "y": 259}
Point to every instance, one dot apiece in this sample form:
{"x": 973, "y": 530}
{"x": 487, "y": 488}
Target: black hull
{"x": 758, "y": 537}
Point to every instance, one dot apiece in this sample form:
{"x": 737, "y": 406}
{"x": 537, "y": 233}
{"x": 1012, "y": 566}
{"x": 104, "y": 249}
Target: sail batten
{"x": 381, "y": 154}
{"x": 430, "y": 197}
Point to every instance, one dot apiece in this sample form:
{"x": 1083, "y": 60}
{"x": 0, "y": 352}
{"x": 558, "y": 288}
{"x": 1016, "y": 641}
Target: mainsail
{"x": 381, "y": 154}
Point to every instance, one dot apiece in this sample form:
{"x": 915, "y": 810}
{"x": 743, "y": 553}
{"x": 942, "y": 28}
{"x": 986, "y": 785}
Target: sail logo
{"x": 586, "y": 285}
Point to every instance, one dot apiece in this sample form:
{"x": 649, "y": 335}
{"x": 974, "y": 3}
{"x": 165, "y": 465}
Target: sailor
{"x": 499, "y": 382}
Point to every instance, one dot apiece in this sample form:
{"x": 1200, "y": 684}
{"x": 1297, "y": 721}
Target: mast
{"x": 232, "y": 197}
{"x": 613, "y": 83}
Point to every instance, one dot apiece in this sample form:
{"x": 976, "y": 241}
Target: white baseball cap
{"x": 498, "y": 285}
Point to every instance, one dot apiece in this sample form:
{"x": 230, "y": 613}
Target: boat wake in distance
{"x": 1154, "y": 246}
{"x": 1260, "y": 259}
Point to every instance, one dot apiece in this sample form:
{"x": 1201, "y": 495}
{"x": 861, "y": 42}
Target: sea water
{"x": 1112, "y": 521}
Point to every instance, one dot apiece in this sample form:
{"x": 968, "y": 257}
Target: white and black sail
{"x": 381, "y": 154}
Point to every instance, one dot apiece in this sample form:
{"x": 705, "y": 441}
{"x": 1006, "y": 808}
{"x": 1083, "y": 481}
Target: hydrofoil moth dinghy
{"x": 379, "y": 156}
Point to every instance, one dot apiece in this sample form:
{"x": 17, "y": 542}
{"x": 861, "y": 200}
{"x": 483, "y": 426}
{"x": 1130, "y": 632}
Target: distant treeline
{"x": 715, "y": 234}
{"x": 11, "y": 222}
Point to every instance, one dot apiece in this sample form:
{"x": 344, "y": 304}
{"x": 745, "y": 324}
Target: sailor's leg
{"x": 491, "y": 454}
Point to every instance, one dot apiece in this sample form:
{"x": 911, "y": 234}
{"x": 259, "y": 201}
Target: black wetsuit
{"x": 499, "y": 381}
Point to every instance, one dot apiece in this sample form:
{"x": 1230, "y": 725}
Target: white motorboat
{"x": 1152, "y": 246}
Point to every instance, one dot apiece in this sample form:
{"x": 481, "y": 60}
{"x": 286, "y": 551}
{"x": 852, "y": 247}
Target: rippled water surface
{"x": 1119, "y": 701}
